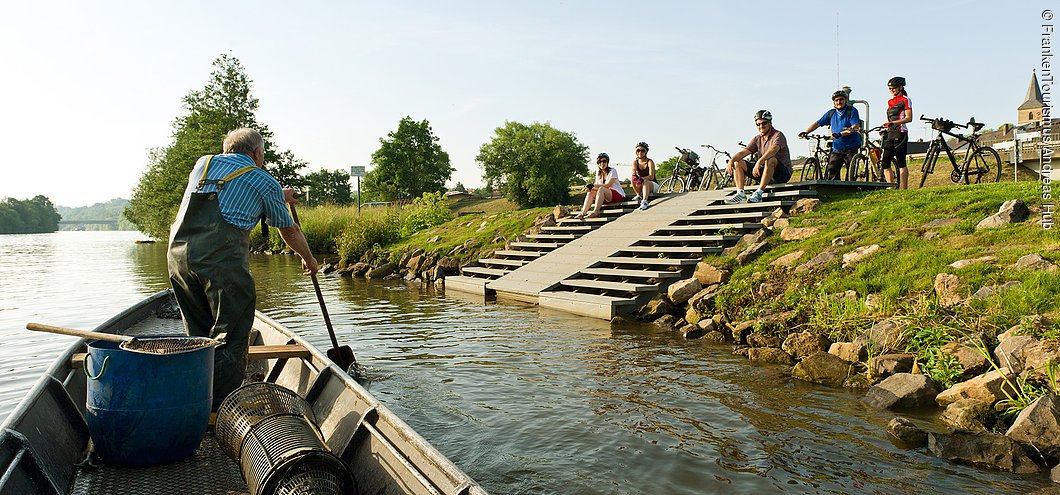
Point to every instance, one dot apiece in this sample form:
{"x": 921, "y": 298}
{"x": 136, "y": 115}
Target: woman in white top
{"x": 605, "y": 189}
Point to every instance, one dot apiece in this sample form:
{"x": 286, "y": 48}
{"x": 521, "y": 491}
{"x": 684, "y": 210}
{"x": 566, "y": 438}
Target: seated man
{"x": 845, "y": 123}
{"x": 773, "y": 165}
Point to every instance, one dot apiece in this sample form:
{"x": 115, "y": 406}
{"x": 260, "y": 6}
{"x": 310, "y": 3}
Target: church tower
{"x": 1031, "y": 109}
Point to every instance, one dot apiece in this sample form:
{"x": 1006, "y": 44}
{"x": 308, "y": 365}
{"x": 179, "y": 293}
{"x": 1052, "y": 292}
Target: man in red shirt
{"x": 773, "y": 164}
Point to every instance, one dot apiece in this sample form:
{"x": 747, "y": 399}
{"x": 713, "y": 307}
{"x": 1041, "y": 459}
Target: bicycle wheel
{"x": 708, "y": 177}
{"x": 984, "y": 166}
{"x": 811, "y": 170}
{"x": 928, "y": 166}
{"x": 858, "y": 169}
{"x": 672, "y": 184}
{"x": 724, "y": 180}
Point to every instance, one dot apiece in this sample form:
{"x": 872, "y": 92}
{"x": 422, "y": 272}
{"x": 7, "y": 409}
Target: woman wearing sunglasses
{"x": 643, "y": 180}
{"x": 605, "y": 189}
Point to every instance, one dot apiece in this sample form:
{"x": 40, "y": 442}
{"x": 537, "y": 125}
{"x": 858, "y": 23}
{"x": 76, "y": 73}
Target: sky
{"x": 88, "y": 88}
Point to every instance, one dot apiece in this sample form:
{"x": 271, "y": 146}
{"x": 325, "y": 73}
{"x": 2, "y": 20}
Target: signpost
{"x": 358, "y": 172}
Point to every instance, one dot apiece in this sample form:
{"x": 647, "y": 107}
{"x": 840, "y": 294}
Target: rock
{"x": 449, "y": 265}
{"x": 788, "y": 260}
{"x": 439, "y": 284}
{"x": 665, "y": 322}
{"x": 1034, "y": 261}
{"x": 972, "y": 362}
{"x": 759, "y": 340}
{"x": 361, "y": 268}
{"x": 839, "y": 241}
{"x": 907, "y": 432}
{"x": 752, "y": 252}
{"x": 858, "y": 381}
{"x": 798, "y": 233}
{"x": 902, "y": 390}
{"x": 957, "y": 265}
{"x": 1009, "y": 353}
{"x": 682, "y": 290}
{"x": 929, "y": 235}
{"x": 947, "y": 289}
{"x": 1011, "y": 211}
{"x": 859, "y": 254}
{"x": 781, "y": 224}
{"x": 692, "y": 331}
{"x": 768, "y": 222}
{"x": 803, "y": 344}
{"x": 805, "y": 205}
{"x": 708, "y": 325}
{"x": 848, "y": 351}
{"x": 883, "y": 337}
{"x": 822, "y": 368}
{"x": 714, "y": 337}
{"x": 382, "y": 270}
{"x": 982, "y": 449}
{"x": 692, "y": 316}
{"x": 655, "y": 308}
{"x": 824, "y": 258}
{"x": 770, "y": 355}
{"x": 559, "y": 212}
{"x": 622, "y": 320}
{"x": 1038, "y": 425}
{"x": 847, "y": 295}
{"x": 704, "y": 299}
{"x": 984, "y": 388}
{"x": 708, "y": 274}
{"x": 740, "y": 350}
{"x": 967, "y": 415}
{"x": 1036, "y": 357}
{"x": 941, "y": 222}
{"x": 413, "y": 265}
{"x": 742, "y": 330}
{"x": 886, "y": 365}
{"x": 989, "y": 291}
{"x": 853, "y": 227}
{"x": 873, "y": 301}
{"x": 778, "y": 213}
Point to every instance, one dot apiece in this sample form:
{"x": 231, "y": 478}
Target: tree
{"x": 533, "y": 165}
{"x": 29, "y": 216}
{"x": 460, "y": 187}
{"x": 408, "y": 163}
{"x": 666, "y": 168}
{"x": 326, "y": 187}
{"x": 285, "y": 170}
{"x": 224, "y": 104}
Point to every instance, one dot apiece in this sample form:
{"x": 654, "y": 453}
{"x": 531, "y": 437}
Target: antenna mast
{"x": 837, "y": 79}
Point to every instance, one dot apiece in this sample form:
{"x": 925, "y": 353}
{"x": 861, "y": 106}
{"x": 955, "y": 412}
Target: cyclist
{"x": 774, "y": 160}
{"x": 643, "y": 180}
{"x": 896, "y": 137}
{"x": 845, "y": 123}
{"x": 605, "y": 189}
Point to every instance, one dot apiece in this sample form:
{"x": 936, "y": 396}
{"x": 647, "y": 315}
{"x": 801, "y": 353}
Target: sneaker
{"x": 755, "y": 197}
{"x": 636, "y": 198}
{"x": 737, "y": 198}
{"x": 644, "y": 205}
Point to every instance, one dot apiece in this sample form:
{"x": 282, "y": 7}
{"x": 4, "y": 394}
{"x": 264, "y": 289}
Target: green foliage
{"x": 408, "y": 163}
{"x": 533, "y": 165}
{"x": 666, "y": 168}
{"x": 329, "y": 188}
{"x": 28, "y": 216}
{"x": 224, "y": 104}
{"x": 425, "y": 212}
{"x": 460, "y": 187}
{"x": 110, "y": 211}
{"x": 376, "y": 227}
{"x": 285, "y": 170}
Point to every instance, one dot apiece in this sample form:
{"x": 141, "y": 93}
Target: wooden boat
{"x": 46, "y": 437}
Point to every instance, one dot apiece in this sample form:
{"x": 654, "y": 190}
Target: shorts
{"x": 616, "y": 197}
{"x": 636, "y": 186}
{"x": 894, "y": 148}
{"x": 781, "y": 175}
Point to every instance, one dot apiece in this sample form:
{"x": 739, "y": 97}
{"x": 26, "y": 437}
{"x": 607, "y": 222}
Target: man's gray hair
{"x": 243, "y": 140}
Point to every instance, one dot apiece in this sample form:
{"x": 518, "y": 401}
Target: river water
{"x": 525, "y": 400}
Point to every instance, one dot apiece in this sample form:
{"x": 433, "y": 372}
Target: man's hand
{"x": 290, "y": 195}
{"x": 758, "y": 170}
{"x": 310, "y": 267}
{"x": 803, "y": 134}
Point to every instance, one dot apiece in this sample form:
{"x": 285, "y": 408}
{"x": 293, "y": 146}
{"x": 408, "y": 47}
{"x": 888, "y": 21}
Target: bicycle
{"x": 713, "y": 173}
{"x": 865, "y": 166}
{"x": 686, "y": 174}
{"x": 811, "y": 170}
{"x": 980, "y": 164}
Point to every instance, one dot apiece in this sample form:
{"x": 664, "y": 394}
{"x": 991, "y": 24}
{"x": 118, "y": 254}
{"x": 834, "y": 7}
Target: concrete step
{"x": 618, "y": 272}
{"x": 630, "y": 260}
{"x": 584, "y": 221}
{"x": 518, "y": 253}
{"x": 565, "y": 238}
{"x": 483, "y": 271}
{"x": 692, "y": 238}
{"x": 536, "y": 246}
{"x": 585, "y": 304}
{"x": 568, "y": 229}
{"x": 502, "y": 262}
{"x": 672, "y": 249}
{"x": 743, "y": 207}
{"x": 616, "y": 286}
{"x": 712, "y": 226}
{"x": 722, "y": 217}
{"x": 471, "y": 285}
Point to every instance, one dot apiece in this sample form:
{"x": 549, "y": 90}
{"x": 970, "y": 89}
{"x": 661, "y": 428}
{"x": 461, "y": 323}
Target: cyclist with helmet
{"x": 844, "y": 122}
{"x": 896, "y": 138}
{"x": 643, "y": 180}
{"x": 605, "y": 189}
{"x": 773, "y": 165}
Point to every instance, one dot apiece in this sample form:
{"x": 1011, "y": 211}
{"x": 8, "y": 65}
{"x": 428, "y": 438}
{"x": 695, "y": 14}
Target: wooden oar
{"x": 109, "y": 337}
{"x": 340, "y": 355}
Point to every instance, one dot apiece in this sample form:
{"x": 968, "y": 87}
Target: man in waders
{"x": 209, "y": 246}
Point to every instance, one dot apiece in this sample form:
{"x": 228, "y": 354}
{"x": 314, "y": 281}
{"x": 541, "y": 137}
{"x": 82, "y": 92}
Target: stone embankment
{"x": 968, "y": 428}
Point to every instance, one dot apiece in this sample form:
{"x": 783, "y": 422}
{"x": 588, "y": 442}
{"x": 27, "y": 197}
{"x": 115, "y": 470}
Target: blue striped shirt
{"x": 244, "y": 199}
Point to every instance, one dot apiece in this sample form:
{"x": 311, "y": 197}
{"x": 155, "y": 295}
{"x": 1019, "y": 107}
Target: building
{"x": 1030, "y": 112}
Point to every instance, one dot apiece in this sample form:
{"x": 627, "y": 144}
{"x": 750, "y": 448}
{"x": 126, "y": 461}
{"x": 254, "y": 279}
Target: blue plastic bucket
{"x": 147, "y": 409}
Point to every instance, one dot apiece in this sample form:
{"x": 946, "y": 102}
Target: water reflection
{"x": 525, "y": 400}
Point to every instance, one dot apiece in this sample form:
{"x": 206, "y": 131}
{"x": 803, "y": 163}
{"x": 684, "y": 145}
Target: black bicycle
{"x": 720, "y": 177}
{"x": 687, "y": 174}
{"x": 811, "y": 170}
{"x": 865, "y": 166}
{"x": 980, "y": 164}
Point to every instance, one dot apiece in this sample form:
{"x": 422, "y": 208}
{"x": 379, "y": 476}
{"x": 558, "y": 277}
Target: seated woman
{"x": 643, "y": 180}
{"x": 605, "y": 189}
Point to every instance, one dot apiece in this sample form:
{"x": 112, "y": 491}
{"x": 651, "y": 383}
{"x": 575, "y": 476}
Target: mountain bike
{"x": 687, "y": 173}
{"x": 865, "y": 166}
{"x": 980, "y": 164}
{"x": 721, "y": 177}
{"x": 811, "y": 170}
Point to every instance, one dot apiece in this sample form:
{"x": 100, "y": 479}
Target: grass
{"x": 485, "y": 231}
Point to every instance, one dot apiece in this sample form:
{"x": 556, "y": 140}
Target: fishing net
{"x": 167, "y": 345}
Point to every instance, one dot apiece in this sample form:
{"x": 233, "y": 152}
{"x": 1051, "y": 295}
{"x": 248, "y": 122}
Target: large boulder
{"x": 1010, "y": 352}
{"x": 805, "y": 205}
{"x": 769, "y": 355}
{"x": 1038, "y": 425}
{"x": 798, "y": 233}
{"x": 788, "y": 260}
{"x": 655, "y": 308}
{"x": 1011, "y": 211}
{"x": 761, "y": 340}
{"x": 907, "y": 432}
{"x": 971, "y": 360}
{"x": 708, "y": 274}
{"x": 822, "y": 368}
{"x": 382, "y": 270}
{"x": 988, "y": 388}
{"x": 886, "y": 365}
{"x": 1034, "y": 261}
{"x": 982, "y": 449}
{"x": 681, "y": 291}
{"x": 1037, "y": 356}
{"x": 967, "y": 415}
{"x": 881, "y": 338}
{"x": 902, "y": 390}
{"x": 704, "y": 299}
{"x": 742, "y": 330}
{"x": 803, "y": 344}
{"x": 752, "y": 252}
{"x": 848, "y": 351}
{"x": 947, "y": 289}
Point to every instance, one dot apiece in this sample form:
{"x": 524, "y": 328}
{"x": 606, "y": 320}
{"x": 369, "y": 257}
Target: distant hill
{"x": 109, "y": 211}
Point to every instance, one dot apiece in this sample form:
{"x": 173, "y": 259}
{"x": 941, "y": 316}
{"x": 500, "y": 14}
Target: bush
{"x": 425, "y": 212}
{"x": 375, "y": 228}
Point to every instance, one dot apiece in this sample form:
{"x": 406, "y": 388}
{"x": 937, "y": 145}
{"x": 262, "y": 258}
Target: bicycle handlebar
{"x": 942, "y": 120}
